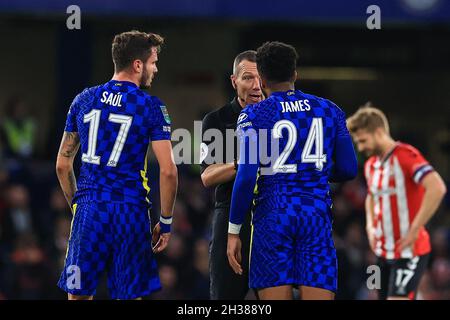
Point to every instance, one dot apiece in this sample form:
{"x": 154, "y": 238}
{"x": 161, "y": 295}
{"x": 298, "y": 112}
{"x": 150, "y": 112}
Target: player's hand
{"x": 408, "y": 240}
{"x": 159, "y": 240}
{"x": 234, "y": 246}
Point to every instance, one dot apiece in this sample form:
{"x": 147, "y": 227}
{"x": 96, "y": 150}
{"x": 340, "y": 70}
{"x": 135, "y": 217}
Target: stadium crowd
{"x": 35, "y": 223}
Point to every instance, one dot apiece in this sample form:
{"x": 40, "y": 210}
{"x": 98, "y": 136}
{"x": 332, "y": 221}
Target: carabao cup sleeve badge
{"x": 165, "y": 114}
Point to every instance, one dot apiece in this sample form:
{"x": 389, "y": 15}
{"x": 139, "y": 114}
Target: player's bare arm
{"x": 70, "y": 144}
{"x": 168, "y": 180}
{"x": 435, "y": 190}
{"x": 369, "y": 220}
{"x": 218, "y": 173}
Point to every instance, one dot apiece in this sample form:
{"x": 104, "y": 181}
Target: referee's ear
{"x": 233, "y": 81}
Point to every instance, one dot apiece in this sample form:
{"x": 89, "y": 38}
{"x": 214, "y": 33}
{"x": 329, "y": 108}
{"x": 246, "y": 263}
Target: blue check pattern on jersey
{"x": 294, "y": 248}
{"x": 292, "y": 225}
{"x": 126, "y": 181}
{"x": 113, "y": 238}
{"x": 283, "y": 190}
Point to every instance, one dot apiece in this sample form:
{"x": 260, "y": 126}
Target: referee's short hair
{"x": 276, "y": 61}
{"x": 249, "y": 55}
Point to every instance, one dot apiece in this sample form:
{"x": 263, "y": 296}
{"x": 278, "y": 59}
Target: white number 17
{"x": 93, "y": 118}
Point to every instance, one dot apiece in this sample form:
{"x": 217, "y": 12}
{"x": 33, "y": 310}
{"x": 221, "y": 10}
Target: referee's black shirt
{"x": 221, "y": 119}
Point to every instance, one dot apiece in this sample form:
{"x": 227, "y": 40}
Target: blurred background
{"x": 403, "y": 68}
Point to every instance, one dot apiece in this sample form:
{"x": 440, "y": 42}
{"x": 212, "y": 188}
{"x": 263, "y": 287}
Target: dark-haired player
{"x": 114, "y": 123}
{"x": 292, "y": 243}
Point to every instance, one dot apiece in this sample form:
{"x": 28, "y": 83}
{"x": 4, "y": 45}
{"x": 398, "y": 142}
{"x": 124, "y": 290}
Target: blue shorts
{"x": 293, "y": 248}
{"x": 113, "y": 238}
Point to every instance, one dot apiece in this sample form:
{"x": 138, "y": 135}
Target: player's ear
{"x": 294, "y": 77}
{"x": 379, "y": 132}
{"x": 137, "y": 66}
{"x": 233, "y": 80}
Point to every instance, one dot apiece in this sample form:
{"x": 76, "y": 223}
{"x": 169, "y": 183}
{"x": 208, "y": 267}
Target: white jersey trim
{"x": 388, "y": 227}
{"x": 402, "y": 204}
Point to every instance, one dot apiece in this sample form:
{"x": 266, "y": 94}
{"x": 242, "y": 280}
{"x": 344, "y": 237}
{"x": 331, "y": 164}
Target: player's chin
{"x": 145, "y": 86}
{"x": 368, "y": 153}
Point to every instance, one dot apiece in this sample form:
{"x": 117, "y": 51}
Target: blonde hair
{"x": 368, "y": 118}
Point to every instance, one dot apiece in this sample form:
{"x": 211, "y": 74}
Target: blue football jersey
{"x": 306, "y": 128}
{"x": 116, "y": 121}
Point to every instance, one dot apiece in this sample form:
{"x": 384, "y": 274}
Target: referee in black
{"x": 221, "y": 172}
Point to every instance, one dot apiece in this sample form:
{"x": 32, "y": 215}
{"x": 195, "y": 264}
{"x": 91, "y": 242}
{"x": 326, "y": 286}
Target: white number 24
{"x": 93, "y": 118}
{"x": 315, "y": 137}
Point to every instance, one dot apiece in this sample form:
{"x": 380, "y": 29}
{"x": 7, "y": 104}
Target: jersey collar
{"x": 123, "y": 83}
{"x": 283, "y": 93}
{"x": 236, "y": 106}
{"x": 384, "y": 158}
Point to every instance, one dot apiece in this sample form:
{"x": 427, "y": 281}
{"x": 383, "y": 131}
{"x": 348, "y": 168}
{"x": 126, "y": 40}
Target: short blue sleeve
{"x": 342, "y": 130}
{"x": 160, "y": 121}
{"x": 345, "y": 162}
{"x": 71, "y": 121}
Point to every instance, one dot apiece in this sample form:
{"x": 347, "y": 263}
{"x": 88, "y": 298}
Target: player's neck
{"x": 386, "y": 146}
{"x": 125, "y": 76}
{"x": 241, "y": 102}
{"x": 279, "y": 87}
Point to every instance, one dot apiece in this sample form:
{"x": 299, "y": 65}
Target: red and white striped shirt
{"x": 394, "y": 183}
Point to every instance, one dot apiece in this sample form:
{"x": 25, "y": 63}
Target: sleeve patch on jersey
{"x": 242, "y": 117}
{"x": 244, "y": 125}
{"x": 422, "y": 172}
{"x": 166, "y": 128}
{"x": 165, "y": 114}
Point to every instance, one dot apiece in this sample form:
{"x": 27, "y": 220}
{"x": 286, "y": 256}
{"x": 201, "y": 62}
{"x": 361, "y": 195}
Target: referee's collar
{"x": 236, "y": 106}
